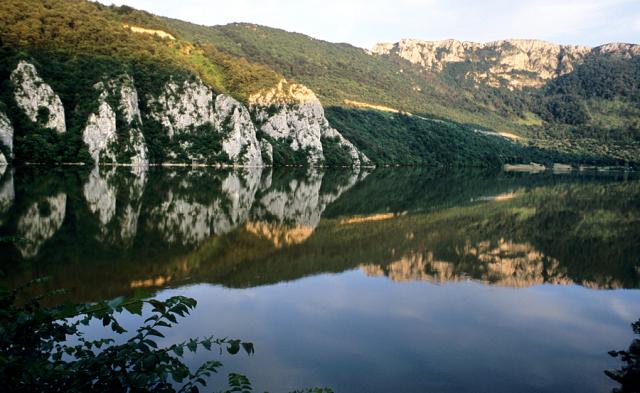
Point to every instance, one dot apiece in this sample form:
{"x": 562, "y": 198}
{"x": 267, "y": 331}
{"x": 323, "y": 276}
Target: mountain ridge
{"x": 545, "y": 59}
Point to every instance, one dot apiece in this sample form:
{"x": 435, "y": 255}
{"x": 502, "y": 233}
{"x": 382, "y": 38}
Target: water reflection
{"x": 39, "y": 223}
{"x": 120, "y": 230}
{"x": 7, "y": 193}
{"x": 505, "y": 263}
{"x": 115, "y": 198}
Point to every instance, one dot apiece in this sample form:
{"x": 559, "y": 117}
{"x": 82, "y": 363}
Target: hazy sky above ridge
{"x": 365, "y": 22}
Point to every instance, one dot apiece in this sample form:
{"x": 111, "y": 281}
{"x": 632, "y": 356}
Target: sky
{"x": 366, "y": 22}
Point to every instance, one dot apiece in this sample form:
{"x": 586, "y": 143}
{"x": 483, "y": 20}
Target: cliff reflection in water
{"x": 112, "y": 231}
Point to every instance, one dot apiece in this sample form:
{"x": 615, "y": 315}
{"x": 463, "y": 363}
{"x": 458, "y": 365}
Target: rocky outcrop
{"x": 6, "y": 137}
{"x": 239, "y": 134}
{"x": 37, "y": 98}
{"x": 101, "y": 134}
{"x": 181, "y": 108}
{"x": 136, "y": 148}
{"x": 292, "y": 113}
{"x": 514, "y": 63}
{"x": 625, "y": 51}
{"x": 204, "y": 128}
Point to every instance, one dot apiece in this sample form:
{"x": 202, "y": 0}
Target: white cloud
{"x": 363, "y": 22}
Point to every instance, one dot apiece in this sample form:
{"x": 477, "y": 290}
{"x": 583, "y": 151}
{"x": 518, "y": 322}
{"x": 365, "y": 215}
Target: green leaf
{"x": 234, "y": 347}
{"x": 158, "y": 305}
{"x": 172, "y": 318}
{"x": 154, "y": 332}
{"x": 178, "y": 350}
{"x": 206, "y": 344}
{"x": 163, "y": 324}
{"x": 115, "y": 326}
{"x": 248, "y": 347}
{"x": 134, "y": 308}
{"x": 150, "y": 343}
{"x": 149, "y": 362}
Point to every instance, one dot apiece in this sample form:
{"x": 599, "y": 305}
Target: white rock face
{"x": 293, "y": 112}
{"x": 41, "y": 221}
{"x": 6, "y": 133}
{"x": 32, "y": 93}
{"x": 130, "y": 110}
{"x": 100, "y": 133}
{"x": 181, "y": 106}
{"x": 239, "y": 133}
{"x": 626, "y": 51}
{"x": 521, "y": 63}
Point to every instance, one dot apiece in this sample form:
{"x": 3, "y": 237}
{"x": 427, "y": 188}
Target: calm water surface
{"x": 391, "y": 280}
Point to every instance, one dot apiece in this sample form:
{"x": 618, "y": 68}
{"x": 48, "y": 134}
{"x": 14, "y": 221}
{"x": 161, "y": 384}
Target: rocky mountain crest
{"x": 512, "y": 63}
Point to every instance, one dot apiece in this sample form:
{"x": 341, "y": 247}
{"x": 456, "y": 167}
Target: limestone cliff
{"x": 6, "y": 138}
{"x": 514, "y": 63}
{"x": 201, "y": 127}
{"x": 292, "y": 113}
{"x": 181, "y": 108}
{"x": 101, "y": 134}
{"x": 626, "y": 51}
{"x": 38, "y": 100}
{"x": 239, "y": 141}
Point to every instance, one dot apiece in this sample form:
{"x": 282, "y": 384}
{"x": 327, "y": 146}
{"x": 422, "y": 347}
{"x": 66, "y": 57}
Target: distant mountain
{"x": 84, "y": 82}
{"x": 513, "y": 64}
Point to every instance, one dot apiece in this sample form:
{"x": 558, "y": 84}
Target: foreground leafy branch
{"x": 629, "y": 374}
{"x": 36, "y": 353}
